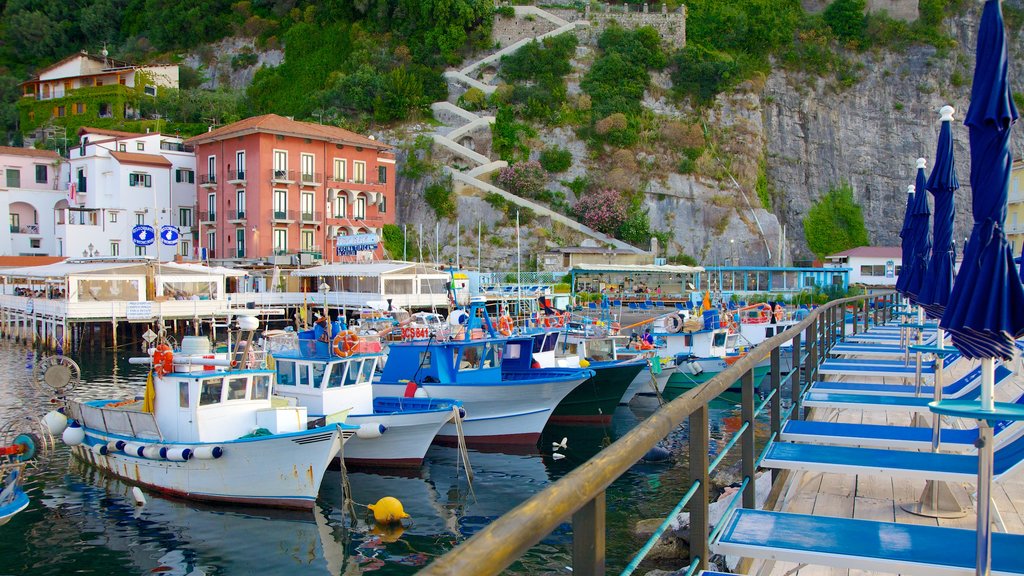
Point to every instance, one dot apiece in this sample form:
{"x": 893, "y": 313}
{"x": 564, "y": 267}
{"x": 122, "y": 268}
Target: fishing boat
{"x": 503, "y": 406}
{"x": 651, "y": 382}
{"x": 15, "y": 454}
{"x": 701, "y": 355}
{"x": 208, "y": 429}
{"x": 582, "y": 346}
{"x": 392, "y": 431}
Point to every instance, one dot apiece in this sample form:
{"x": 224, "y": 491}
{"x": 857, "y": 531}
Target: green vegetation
{"x": 835, "y": 223}
{"x": 537, "y": 71}
{"x": 555, "y": 159}
{"x": 507, "y": 136}
{"x": 419, "y": 158}
{"x": 440, "y": 196}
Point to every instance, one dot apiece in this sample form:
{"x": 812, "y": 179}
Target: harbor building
{"x": 120, "y": 180}
{"x": 32, "y": 200}
{"x": 275, "y": 190}
{"x": 90, "y": 89}
{"x": 869, "y": 265}
{"x": 1015, "y": 209}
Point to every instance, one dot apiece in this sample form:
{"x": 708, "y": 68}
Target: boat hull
{"x": 403, "y": 444}
{"x": 18, "y": 503}
{"x": 642, "y": 384}
{"x": 682, "y": 380}
{"x": 282, "y": 471}
{"x": 513, "y": 411}
{"x": 594, "y": 400}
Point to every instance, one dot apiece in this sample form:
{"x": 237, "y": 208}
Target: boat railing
{"x": 579, "y": 497}
{"x": 116, "y": 420}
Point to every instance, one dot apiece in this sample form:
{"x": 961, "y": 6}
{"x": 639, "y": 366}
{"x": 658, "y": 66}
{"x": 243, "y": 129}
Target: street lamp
{"x": 732, "y": 244}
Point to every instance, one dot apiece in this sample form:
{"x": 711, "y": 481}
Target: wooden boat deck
{"x": 872, "y": 497}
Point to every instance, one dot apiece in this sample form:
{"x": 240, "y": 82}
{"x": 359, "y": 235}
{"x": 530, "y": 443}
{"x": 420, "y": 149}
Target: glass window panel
{"x": 209, "y": 391}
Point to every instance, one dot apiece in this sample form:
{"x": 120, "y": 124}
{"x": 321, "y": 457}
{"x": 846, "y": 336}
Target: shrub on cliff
{"x": 603, "y": 210}
{"x": 524, "y": 179}
{"x": 835, "y": 223}
{"x": 555, "y": 159}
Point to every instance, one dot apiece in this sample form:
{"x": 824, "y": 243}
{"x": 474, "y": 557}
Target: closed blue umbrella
{"x": 920, "y": 214}
{"x": 942, "y": 183}
{"x": 985, "y": 312}
{"x": 906, "y": 246}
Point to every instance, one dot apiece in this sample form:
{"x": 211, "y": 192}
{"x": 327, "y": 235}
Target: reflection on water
{"x": 84, "y": 522}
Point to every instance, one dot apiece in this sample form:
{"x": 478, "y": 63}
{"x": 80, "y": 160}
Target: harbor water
{"x": 82, "y": 522}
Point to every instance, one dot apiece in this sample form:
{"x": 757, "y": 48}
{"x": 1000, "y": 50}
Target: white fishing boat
{"x": 208, "y": 429}
{"x": 390, "y": 430}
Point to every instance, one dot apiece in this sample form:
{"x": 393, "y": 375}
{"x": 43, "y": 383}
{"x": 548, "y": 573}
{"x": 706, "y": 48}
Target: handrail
{"x": 580, "y": 493}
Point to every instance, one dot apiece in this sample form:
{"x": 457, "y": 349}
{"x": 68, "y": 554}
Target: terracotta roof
{"x": 870, "y": 252}
{"x": 22, "y": 261}
{"x": 274, "y": 124}
{"x": 33, "y": 152}
{"x": 106, "y": 132}
{"x": 133, "y": 158}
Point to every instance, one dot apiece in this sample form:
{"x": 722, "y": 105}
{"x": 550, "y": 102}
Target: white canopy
{"x": 372, "y": 269}
{"x": 134, "y": 267}
{"x": 636, "y": 268}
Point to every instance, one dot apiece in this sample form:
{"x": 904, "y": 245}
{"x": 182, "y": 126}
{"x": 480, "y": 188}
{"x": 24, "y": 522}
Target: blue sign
{"x": 169, "y": 235}
{"x": 350, "y": 245}
{"x": 143, "y": 235}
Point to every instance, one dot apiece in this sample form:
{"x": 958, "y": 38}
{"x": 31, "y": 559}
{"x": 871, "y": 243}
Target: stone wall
{"x": 899, "y": 9}
{"x": 670, "y": 25}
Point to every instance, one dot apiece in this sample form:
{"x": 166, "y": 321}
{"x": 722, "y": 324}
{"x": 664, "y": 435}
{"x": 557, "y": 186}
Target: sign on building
{"x": 352, "y": 245}
{"x": 143, "y": 235}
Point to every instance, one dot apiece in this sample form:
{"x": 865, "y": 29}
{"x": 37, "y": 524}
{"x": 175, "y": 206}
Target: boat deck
{"x": 872, "y": 497}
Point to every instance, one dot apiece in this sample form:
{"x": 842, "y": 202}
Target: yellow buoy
{"x": 388, "y": 510}
{"x": 584, "y": 363}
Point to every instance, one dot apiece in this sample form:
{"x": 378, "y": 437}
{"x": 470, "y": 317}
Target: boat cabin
{"x": 455, "y": 362}
{"x": 702, "y": 344}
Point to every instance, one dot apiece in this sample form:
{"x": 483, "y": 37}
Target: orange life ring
{"x": 344, "y": 344}
{"x": 505, "y": 325}
{"x": 163, "y": 360}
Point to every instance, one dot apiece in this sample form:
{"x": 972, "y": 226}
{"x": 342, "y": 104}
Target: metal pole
{"x": 748, "y": 448}
{"x": 698, "y": 505}
{"x": 588, "y": 537}
{"x": 865, "y": 305}
{"x": 405, "y": 242}
{"x": 479, "y": 231}
{"x": 775, "y": 407}
{"x": 794, "y": 380}
{"x": 985, "y": 456}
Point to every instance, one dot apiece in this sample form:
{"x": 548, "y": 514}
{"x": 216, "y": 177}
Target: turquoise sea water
{"x": 81, "y": 522}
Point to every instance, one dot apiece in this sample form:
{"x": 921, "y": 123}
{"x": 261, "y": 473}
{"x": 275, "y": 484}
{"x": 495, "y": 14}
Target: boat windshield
{"x": 261, "y": 387}
{"x": 601, "y": 350}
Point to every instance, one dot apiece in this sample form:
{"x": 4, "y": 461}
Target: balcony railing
{"x": 290, "y": 215}
{"x": 312, "y": 178}
{"x": 207, "y": 179}
{"x": 208, "y": 217}
{"x": 239, "y": 175}
{"x": 176, "y": 147}
{"x": 239, "y": 214}
{"x": 312, "y": 216}
{"x": 351, "y": 180}
{"x": 282, "y": 175}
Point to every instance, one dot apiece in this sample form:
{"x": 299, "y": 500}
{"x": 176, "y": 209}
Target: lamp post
{"x": 732, "y": 245}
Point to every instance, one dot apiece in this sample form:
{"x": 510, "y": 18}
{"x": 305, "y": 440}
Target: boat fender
{"x": 208, "y": 452}
{"x": 74, "y": 434}
{"x": 371, "y": 430}
{"x": 176, "y": 454}
{"x": 458, "y": 317}
{"x": 138, "y": 496}
{"x": 99, "y": 449}
{"x": 55, "y": 422}
{"x": 657, "y": 454}
{"x": 584, "y": 363}
{"x": 151, "y": 452}
{"x": 115, "y": 445}
{"x": 388, "y": 510}
{"x": 134, "y": 449}
{"x": 462, "y": 413}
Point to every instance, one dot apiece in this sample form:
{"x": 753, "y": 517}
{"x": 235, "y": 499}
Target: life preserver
{"x": 345, "y": 344}
{"x": 163, "y": 360}
{"x": 505, "y": 325}
{"x": 673, "y": 324}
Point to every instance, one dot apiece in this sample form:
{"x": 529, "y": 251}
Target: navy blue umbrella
{"x": 985, "y": 312}
{"x": 942, "y": 183}
{"x": 920, "y": 214}
{"x": 906, "y": 245}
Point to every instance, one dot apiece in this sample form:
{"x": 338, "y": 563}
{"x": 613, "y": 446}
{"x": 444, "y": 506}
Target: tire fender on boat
{"x": 673, "y": 324}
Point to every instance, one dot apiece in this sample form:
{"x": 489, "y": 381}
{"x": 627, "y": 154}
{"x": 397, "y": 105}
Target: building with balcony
{"x": 90, "y": 89}
{"x": 869, "y": 265}
{"x": 272, "y": 188}
{"x": 120, "y": 180}
{"x": 32, "y": 195}
{"x": 1015, "y": 209}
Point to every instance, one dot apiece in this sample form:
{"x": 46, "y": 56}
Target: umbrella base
{"x": 936, "y": 501}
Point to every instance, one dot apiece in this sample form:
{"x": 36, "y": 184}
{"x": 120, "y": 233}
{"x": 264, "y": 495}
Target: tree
{"x": 847, "y": 19}
{"x": 835, "y": 223}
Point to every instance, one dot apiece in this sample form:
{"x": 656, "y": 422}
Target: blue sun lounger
{"x": 863, "y": 544}
{"x": 970, "y": 389}
{"x": 878, "y": 368}
{"x": 883, "y": 350}
{"x": 952, "y": 389}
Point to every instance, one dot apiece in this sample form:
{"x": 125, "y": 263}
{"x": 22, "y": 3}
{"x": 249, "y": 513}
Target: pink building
{"x": 271, "y": 187}
{"x": 32, "y": 200}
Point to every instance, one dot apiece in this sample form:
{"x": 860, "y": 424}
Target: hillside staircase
{"x": 460, "y": 122}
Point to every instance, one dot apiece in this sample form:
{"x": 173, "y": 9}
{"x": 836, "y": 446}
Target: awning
{"x": 635, "y": 268}
{"x": 366, "y": 269}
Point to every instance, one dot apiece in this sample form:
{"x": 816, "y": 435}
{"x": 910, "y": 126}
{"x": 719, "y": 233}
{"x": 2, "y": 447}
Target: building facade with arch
{"x": 33, "y": 188}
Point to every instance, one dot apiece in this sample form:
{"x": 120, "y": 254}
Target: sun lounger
{"x": 866, "y": 545}
{"x": 882, "y": 436}
{"x": 879, "y": 368}
{"x": 952, "y": 389}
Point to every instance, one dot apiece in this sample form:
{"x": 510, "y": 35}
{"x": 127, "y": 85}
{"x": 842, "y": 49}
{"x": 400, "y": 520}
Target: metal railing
{"x": 207, "y": 179}
{"x": 579, "y": 497}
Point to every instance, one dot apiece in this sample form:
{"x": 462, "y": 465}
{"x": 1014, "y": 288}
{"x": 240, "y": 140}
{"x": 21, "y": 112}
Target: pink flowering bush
{"x": 603, "y": 210}
{"x": 524, "y": 179}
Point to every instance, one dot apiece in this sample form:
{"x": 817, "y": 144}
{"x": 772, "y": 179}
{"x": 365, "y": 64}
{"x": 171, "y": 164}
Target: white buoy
{"x": 55, "y": 422}
{"x": 371, "y": 430}
{"x": 140, "y": 498}
{"x": 74, "y": 434}
{"x": 208, "y": 452}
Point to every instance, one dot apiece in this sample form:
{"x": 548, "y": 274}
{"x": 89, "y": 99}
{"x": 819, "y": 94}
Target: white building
{"x": 120, "y": 180}
{"x": 31, "y": 192}
{"x": 84, "y": 70}
{"x": 869, "y": 265}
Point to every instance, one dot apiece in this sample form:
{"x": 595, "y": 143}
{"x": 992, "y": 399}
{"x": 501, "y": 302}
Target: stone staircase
{"x": 484, "y": 165}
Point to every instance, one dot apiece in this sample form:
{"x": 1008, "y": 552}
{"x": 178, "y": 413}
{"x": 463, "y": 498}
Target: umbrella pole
{"x": 985, "y": 457}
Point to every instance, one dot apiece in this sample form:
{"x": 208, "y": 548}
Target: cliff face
{"x": 871, "y": 133}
